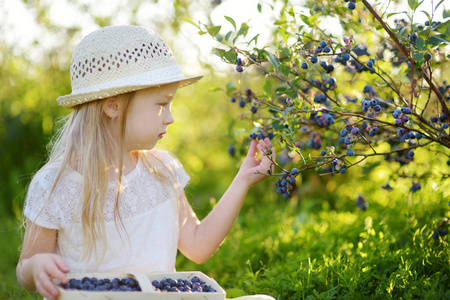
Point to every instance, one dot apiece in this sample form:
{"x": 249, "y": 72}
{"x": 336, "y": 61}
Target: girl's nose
{"x": 169, "y": 118}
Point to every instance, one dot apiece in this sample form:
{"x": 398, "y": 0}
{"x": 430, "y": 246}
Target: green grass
{"x": 316, "y": 246}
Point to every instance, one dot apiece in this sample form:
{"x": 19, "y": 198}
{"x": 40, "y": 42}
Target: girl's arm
{"x": 199, "y": 240}
{"x": 38, "y": 263}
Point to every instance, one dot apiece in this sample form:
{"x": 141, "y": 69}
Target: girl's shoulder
{"x": 165, "y": 163}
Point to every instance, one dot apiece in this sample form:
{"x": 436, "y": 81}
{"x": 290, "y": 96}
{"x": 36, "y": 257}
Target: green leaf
{"x": 291, "y": 12}
{"x": 428, "y": 15}
{"x": 434, "y": 41}
{"x": 419, "y": 43}
{"x": 231, "y": 21}
{"x": 284, "y": 33}
{"x": 418, "y": 57}
{"x": 280, "y": 22}
{"x": 243, "y": 30}
{"x": 273, "y": 60}
{"x": 227, "y": 36}
{"x": 259, "y": 7}
{"x": 446, "y": 13}
{"x": 219, "y": 37}
{"x": 440, "y": 2}
{"x": 285, "y": 70}
{"x": 412, "y": 3}
{"x": 213, "y": 30}
{"x": 311, "y": 20}
{"x": 190, "y": 21}
{"x": 395, "y": 13}
{"x": 219, "y": 52}
{"x": 285, "y": 52}
{"x": 417, "y": 4}
{"x": 255, "y": 38}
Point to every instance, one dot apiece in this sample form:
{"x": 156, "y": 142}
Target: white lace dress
{"x": 148, "y": 211}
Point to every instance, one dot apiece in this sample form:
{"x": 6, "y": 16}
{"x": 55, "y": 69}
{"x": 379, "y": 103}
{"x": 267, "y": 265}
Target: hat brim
{"x": 122, "y": 86}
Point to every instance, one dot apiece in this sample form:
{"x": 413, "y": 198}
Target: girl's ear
{"x": 111, "y": 107}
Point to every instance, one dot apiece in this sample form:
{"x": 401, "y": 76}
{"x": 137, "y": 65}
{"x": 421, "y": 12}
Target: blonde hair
{"x": 85, "y": 144}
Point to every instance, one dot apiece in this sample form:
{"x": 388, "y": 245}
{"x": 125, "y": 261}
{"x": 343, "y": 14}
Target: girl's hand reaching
{"x": 44, "y": 267}
{"x": 253, "y": 170}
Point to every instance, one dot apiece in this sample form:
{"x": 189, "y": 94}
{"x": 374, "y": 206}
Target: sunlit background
{"x": 316, "y": 240}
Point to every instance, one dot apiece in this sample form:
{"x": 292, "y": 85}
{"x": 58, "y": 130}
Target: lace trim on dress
{"x": 141, "y": 192}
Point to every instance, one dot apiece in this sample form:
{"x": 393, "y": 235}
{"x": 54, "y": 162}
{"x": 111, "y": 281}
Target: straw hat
{"x": 119, "y": 59}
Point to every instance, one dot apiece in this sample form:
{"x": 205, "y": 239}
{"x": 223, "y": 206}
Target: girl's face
{"x": 148, "y": 116}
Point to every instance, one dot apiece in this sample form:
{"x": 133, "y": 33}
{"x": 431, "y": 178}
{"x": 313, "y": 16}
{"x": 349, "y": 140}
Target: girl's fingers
{"x": 252, "y": 149}
{"x": 46, "y": 287}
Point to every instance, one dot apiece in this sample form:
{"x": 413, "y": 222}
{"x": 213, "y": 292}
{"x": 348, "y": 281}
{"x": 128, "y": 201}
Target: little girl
{"x": 107, "y": 200}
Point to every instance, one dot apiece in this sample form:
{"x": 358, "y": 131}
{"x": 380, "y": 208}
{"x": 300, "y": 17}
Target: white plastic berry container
{"x": 147, "y": 290}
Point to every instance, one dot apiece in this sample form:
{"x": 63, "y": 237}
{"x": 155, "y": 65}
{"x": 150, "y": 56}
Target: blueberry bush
{"x": 331, "y": 103}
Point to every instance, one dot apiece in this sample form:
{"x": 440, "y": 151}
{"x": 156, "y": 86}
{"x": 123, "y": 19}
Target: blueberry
{"x": 345, "y": 56}
{"x": 254, "y": 109}
{"x": 323, "y": 44}
{"x": 350, "y": 152}
{"x": 344, "y": 133}
{"x": 351, "y": 5}
{"x": 231, "y": 150}
{"x": 240, "y": 69}
{"x": 413, "y": 38}
{"x": 377, "y": 108}
{"x": 367, "y": 88}
{"x": 326, "y": 49}
{"x": 314, "y": 59}
{"x": 323, "y": 152}
{"x": 304, "y": 65}
{"x": 242, "y": 103}
{"x": 294, "y": 171}
{"x": 355, "y": 130}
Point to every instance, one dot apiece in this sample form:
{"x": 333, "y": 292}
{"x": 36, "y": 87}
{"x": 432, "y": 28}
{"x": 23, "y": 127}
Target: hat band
{"x": 163, "y": 75}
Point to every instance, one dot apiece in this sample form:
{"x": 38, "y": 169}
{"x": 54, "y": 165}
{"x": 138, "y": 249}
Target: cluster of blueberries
{"x": 182, "y": 285}
{"x": 361, "y": 202}
{"x": 401, "y": 115}
{"x": 249, "y": 97}
{"x": 94, "y": 284}
{"x": 239, "y": 67}
{"x": 285, "y": 182}
{"x": 349, "y": 134}
{"x": 324, "y": 120}
{"x": 338, "y": 165}
{"x": 370, "y": 104}
{"x": 264, "y": 132}
{"x": 342, "y": 58}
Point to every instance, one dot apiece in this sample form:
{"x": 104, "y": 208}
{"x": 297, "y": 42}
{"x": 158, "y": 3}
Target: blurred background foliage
{"x": 273, "y": 236}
